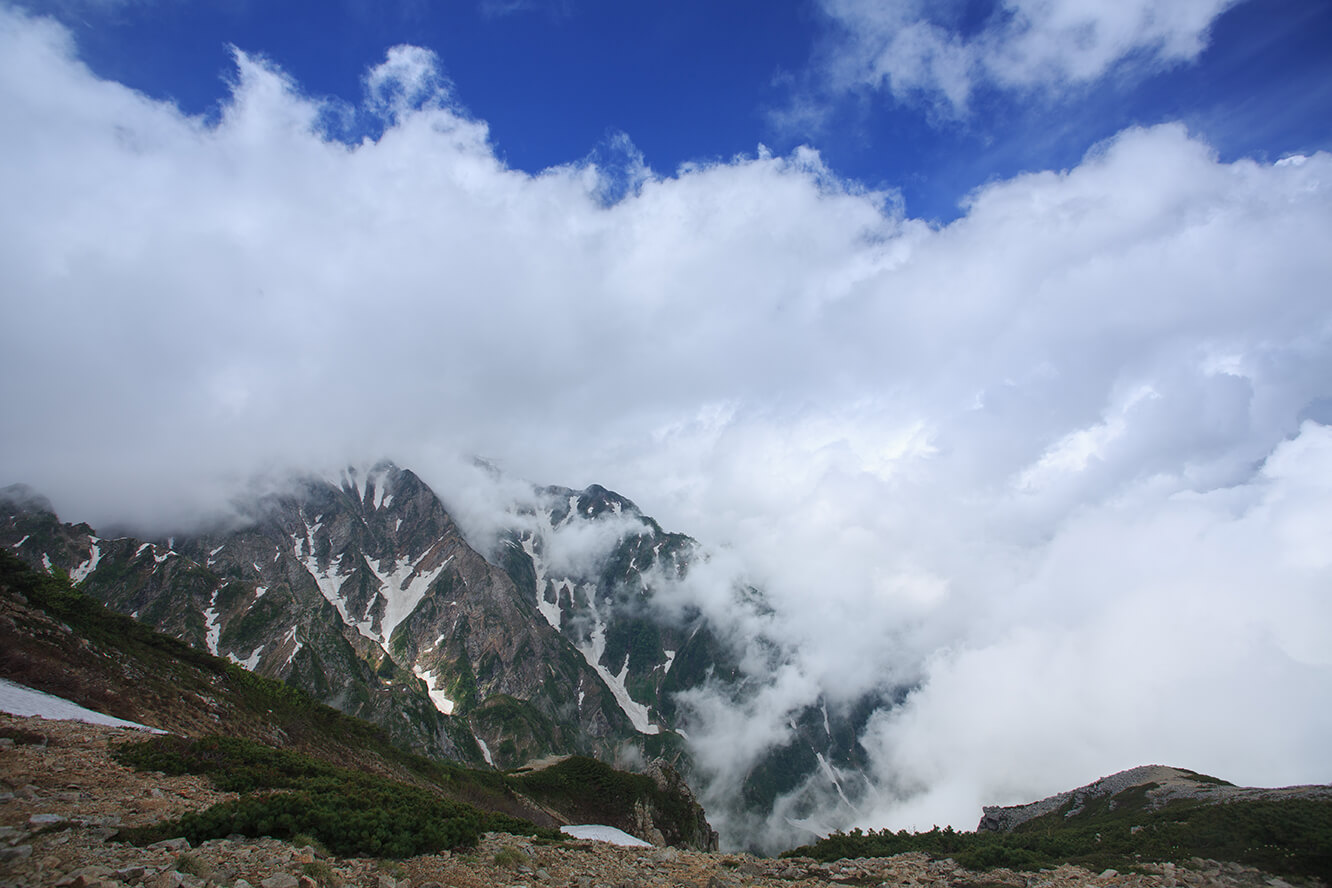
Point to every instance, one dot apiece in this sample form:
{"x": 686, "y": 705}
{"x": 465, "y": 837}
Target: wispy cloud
{"x": 919, "y": 51}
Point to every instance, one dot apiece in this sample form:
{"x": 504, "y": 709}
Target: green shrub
{"x": 510, "y": 858}
{"x": 305, "y": 840}
{"x": 288, "y": 795}
{"x": 190, "y": 863}
{"x": 322, "y": 873}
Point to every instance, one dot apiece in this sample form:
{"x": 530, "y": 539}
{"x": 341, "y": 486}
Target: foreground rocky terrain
{"x": 63, "y": 798}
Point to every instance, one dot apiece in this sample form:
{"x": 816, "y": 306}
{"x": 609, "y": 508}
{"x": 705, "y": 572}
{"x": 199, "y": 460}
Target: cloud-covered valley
{"x": 1063, "y": 465}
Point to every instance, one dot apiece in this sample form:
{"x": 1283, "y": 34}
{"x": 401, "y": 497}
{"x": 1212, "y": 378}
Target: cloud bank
{"x": 1063, "y": 465}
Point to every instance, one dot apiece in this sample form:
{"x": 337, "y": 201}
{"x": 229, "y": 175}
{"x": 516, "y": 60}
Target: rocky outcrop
{"x": 692, "y": 829}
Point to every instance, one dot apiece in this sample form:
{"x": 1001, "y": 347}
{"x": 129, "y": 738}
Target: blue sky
{"x": 698, "y": 81}
{"x": 1004, "y": 368}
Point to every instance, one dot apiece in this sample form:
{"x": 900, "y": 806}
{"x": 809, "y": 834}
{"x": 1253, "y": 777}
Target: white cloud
{"x": 912, "y": 48}
{"x": 406, "y": 79}
{"x": 1190, "y": 629}
{"x": 1046, "y": 460}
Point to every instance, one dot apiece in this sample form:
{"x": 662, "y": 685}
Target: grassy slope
{"x": 286, "y": 794}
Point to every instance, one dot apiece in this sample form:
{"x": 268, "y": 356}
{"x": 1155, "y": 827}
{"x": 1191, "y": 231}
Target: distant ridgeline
{"x": 361, "y": 591}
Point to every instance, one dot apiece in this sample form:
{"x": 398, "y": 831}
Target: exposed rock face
{"x": 696, "y": 833}
{"x": 1165, "y": 785}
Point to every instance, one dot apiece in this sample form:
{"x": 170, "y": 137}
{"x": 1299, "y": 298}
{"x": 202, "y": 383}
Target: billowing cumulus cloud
{"x": 1061, "y": 465}
{"x": 915, "y": 49}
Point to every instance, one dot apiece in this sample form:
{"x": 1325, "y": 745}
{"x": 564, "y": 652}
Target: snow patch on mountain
{"x": 292, "y": 639}
{"x": 360, "y": 480}
{"x": 80, "y": 573}
{"x": 592, "y": 651}
{"x": 549, "y": 609}
{"x": 834, "y": 776}
{"x": 402, "y": 590}
{"x": 598, "y": 833}
{"x": 212, "y": 629}
{"x": 437, "y": 696}
{"x": 249, "y": 662}
{"x": 17, "y": 699}
{"x": 329, "y": 583}
{"x": 327, "y": 578}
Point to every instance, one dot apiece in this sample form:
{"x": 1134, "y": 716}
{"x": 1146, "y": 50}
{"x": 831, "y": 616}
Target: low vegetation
{"x": 1291, "y": 837}
{"x": 285, "y": 794}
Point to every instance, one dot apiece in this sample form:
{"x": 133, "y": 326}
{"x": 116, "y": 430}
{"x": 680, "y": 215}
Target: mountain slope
{"x": 243, "y": 728}
{"x": 361, "y": 591}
